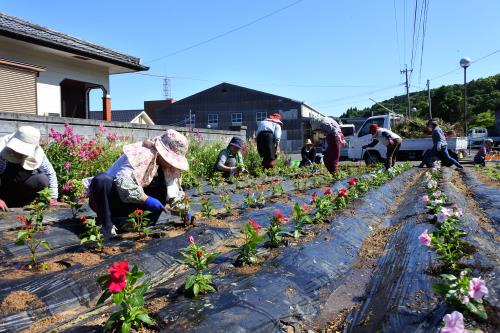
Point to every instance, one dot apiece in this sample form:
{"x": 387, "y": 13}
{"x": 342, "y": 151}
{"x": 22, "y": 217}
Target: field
{"x": 291, "y": 250}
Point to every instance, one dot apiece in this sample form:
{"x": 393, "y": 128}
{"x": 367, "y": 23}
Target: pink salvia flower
{"x": 327, "y": 191}
{"x": 425, "y": 199}
{"x": 425, "y": 239}
{"x": 453, "y": 323}
{"x": 67, "y": 166}
{"x": 477, "y": 288}
{"x": 191, "y": 239}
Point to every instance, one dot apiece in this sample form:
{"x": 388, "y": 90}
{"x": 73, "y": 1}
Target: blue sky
{"x": 294, "y": 53}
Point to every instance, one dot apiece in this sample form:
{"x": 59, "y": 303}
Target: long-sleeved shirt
{"x": 46, "y": 168}
{"x": 438, "y": 138}
{"x": 270, "y": 126}
{"x": 308, "y": 155}
{"x": 383, "y": 135}
{"x": 131, "y": 192}
{"x": 228, "y": 159}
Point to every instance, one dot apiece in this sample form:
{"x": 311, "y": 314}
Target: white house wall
{"x": 58, "y": 67}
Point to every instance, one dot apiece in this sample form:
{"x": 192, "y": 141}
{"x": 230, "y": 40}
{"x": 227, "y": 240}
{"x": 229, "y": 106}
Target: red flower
{"x": 22, "y": 219}
{"x": 281, "y": 219}
{"x": 138, "y": 211}
{"x": 314, "y": 197}
{"x": 275, "y": 181}
{"x": 343, "y": 193}
{"x": 199, "y": 254}
{"x": 353, "y": 181}
{"x": 327, "y": 191}
{"x": 254, "y": 224}
{"x": 118, "y": 276}
{"x": 306, "y": 208}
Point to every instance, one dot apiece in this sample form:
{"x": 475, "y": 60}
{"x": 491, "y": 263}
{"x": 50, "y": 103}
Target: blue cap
{"x": 237, "y": 142}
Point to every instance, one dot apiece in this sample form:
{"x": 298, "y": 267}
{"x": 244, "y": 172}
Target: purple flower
{"x": 67, "y": 166}
{"x": 437, "y": 194}
{"x": 477, "y": 288}
{"x": 441, "y": 217}
{"x": 425, "y": 199}
{"x": 453, "y": 323}
{"x": 425, "y": 239}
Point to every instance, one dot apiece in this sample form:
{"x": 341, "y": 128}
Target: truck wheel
{"x": 371, "y": 158}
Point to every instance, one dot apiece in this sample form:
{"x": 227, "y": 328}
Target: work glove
{"x": 153, "y": 204}
{"x": 3, "y": 206}
{"x": 188, "y": 218}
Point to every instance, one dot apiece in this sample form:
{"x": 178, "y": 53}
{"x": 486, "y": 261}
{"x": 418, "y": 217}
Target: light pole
{"x": 464, "y": 63}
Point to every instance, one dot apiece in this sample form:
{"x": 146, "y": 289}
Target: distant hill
{"x": 483, "y": 98}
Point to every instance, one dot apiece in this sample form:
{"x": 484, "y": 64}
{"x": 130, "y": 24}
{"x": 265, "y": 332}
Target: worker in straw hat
{"x": 308, "y": 153}
{"x": 24, "y": 169}
{"x": 268, "y": 139}
{"x": 147, "y": 176}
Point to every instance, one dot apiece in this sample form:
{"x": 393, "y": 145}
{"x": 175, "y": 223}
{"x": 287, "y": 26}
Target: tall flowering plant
{"x": 248, "y": 251}
{"x": 464, "y": 291}
{"x": 72, "y": 193}
{"x": 197, "y": 258}
{"x": 275, "y": 229}
{"x": 120, "y": 286}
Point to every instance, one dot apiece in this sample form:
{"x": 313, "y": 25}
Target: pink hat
{"x": 173, "y": 146}
{"x": 275, "y": 118}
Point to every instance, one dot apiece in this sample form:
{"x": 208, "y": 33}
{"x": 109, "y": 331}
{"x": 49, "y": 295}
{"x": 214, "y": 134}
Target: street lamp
{"x": 464, "y": 63}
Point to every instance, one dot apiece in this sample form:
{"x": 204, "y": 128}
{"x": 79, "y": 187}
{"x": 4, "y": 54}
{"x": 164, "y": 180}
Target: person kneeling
{"x": 230, "y": 160}
{"x": 24, "y": 169}
{"x": 485, "y": 150}
{"x": 308, "y": 154}
{"x": 147, "y": 176}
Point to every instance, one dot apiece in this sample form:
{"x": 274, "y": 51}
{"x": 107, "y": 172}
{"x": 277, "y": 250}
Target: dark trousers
{"x": 104, "y": 199}
{"x": 331, "y": 157}
{"x": 446, "y": 158}
{"x": 392, "y": 153}
{"x": 266, "y": 149}
{"x": 19, "y": 187}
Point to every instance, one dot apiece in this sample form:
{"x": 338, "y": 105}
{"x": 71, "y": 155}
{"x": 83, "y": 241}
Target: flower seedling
{"x": 227, "y": 202}
{"x": 300, "y": 218}
{"x": 464, "y": 291}
{"x": 31, "y": 224}
{"x": 248, "y": 251}
{"x": 277, "y": 189}
{"x": 323, "y": 206}
{"x": 197, "y": 258}
{"x": 138, "y": 221}
{"x": 120, "y": 285}
{"x": 92, "y": 234}
{"x": 182, "y": 207}
{"x": 275, "y": 230}
{"x": 207, "y": 207}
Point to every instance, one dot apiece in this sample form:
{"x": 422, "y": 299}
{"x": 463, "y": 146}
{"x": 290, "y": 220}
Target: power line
{"x": 326, "y": 102}
{"x": 227, "y": 32}
{"x": 397, "y": 33}
{"x": 263, "y": 84}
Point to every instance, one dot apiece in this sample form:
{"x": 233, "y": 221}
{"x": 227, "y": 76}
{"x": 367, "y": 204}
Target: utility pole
{"x": 429, "y": 99}
{"x": 406, "y": 70}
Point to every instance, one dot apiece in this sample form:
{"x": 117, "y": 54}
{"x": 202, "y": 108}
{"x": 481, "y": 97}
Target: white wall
{"x": 59, "y": 66}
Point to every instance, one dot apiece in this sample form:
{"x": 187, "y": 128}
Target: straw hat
{"x": 308, "y": 142}
{"x": 25, "y": 141}
{"x": 173, "y": 146}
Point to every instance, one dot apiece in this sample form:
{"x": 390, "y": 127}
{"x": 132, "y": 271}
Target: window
{"x": 259, "y": 116}
{"x": 236, "y": 117}
{"x": 365, "y": 130}
{"x": 213, "y": 119}
{"x": 190, "y": 122}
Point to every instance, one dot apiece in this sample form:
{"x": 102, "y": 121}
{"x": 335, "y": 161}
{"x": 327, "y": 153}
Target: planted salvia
{"x": 300, "y": 218}
{"x": 93, "y": 233}
{"x": 182, "y": 206}
{"x": 138, "y": 221}
{"x": 248, "y": 251}
{"x": 120, "y": 286}
{"x": 227, "y": 202}
{"x": 275, "y": 230}
{"x": 197, "y": 258}
{"x": 207, "y": 207}
{"x": 73, "y": 193}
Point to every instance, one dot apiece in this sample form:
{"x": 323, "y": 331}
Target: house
{"x": 230, "y": 107}
{"x": 125, "y": 116}
{"x": 45, "y": 72}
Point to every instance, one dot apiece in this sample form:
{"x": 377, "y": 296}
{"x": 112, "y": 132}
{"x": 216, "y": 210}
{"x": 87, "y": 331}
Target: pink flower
{"x": 254, "y": 224}
{"x": 453, "y": 323}
{"x": 465, "y": 300}
{"x": 191, "y": 239}
{"x": 314, "y": 197}
{"x": 447, "y": 211}
{"x": 425, "y": 239}
{"x": 67, "y": 166}
{"x": 306, "y": 208}
{"x": 327, "y": 191}
{"x": 118, "y": 276}
{"x": 102, "y": 129}
{"x": 281, "y": 219}
{"x": 437, "y": 194}
{"x": 112, "y": 137}
{"x": 441, "y": 217}
{"x": 477, "y": 288}
{"x": 68, "y": 187}
{"x": 353, "y": 181}
{"x": 425, "y": 199}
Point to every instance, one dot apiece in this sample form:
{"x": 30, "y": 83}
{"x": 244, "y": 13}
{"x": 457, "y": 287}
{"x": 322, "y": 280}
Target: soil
{"x": 374, "y": 246}
{"x": 247, "y": 270}
{"x": 229, "y": 245}
{"x": 337, "y": 325}
{"x": 111, "y": 250}
{"x": 219, "y": 223}
{"x": 156, "y": 304}
{"x": 43, "y": 324}
{"x": 19, "y": 301}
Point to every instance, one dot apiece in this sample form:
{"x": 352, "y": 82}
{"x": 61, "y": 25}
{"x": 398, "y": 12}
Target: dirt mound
{"x": 18, "y": 301}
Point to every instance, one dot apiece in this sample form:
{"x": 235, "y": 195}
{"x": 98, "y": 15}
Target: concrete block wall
{"x": 9, "y": 122}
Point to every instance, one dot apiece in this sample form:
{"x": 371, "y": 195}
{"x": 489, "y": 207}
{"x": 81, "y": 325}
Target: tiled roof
{"x": 125, "y": 116}
{"x": 16, "y": 28}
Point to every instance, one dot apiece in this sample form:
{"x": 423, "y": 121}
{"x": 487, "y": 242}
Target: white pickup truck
{"x": 411, "y": 149}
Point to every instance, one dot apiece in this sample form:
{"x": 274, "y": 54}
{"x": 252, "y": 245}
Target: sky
{"x": 331, "y": 54}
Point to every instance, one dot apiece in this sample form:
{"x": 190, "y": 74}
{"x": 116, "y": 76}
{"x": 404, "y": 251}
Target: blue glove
{"x": 153, "y": 204}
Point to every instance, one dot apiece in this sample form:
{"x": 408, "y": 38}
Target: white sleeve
{"x": 277, "y": 133}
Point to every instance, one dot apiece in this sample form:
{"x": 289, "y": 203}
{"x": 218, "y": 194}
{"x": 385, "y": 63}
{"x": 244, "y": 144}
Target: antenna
{"x": 167, "y": 87}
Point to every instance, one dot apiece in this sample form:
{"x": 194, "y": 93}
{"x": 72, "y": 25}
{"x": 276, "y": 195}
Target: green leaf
{"x": 103, "y": 297}
{"x": 126, "y": 327}
{"x": 137, "y": 300}
{"x": 189, "y": 282}
{"x": 92, "y": 238}
{"x": 145, "y": 318}
{"x": 84, "y": 240}
{"x": 196, "y": 289}
{"x": 449, "y": 277}
{"x": 477, "y": 310}
{"x": 45, "y": 244}
{"x": 118, "y": 298}
{"x": 212, "y": 257}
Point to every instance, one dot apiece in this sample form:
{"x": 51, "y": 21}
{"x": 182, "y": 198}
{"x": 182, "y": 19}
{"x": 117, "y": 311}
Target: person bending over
{"x": 268, "y": 139}
{"x": 388, "y": 138}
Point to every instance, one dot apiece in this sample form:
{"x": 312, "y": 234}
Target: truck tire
{"x": 371, "y": 157}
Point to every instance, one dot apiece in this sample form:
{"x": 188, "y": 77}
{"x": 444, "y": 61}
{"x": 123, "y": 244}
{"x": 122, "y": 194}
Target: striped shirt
{"x": 46, "y": 168}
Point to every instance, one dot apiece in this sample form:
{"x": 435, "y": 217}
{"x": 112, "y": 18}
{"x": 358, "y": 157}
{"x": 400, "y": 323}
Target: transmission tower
{"x": 167, "y": 88}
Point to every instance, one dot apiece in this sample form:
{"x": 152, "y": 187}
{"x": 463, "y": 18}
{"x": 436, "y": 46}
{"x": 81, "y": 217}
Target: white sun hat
{"x": 25, "y": 141}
